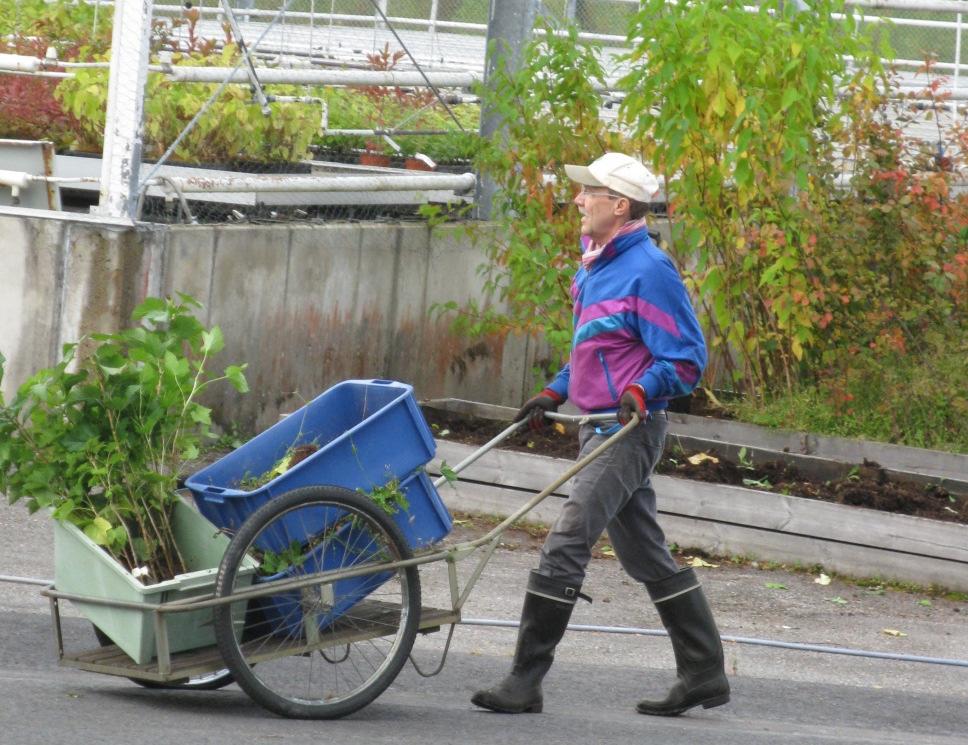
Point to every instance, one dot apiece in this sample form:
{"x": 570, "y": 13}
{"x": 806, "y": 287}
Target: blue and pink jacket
{"x": 634, "y": 324}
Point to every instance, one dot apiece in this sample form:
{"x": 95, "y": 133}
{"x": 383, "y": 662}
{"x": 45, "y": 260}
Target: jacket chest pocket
{"x": 608, "y": 375}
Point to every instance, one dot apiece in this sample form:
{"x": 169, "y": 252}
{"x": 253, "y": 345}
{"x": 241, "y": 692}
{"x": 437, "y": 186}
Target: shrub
{"x": 550, "y": 109}
{"x": 99, "y": 438}
{"x": 891, "y": 397}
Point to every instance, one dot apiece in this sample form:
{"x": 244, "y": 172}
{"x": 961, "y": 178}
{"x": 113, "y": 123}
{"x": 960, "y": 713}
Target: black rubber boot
{"x": 695, "y": 640}
{"x": 548, "y": 604}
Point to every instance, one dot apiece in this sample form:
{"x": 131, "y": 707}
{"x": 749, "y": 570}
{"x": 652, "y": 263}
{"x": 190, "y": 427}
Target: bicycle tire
{"x": 306, "y": 667}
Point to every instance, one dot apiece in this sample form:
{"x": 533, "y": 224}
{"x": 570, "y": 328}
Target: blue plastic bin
{"x": 424, "y": 522}
{"x": 368, "y": 433}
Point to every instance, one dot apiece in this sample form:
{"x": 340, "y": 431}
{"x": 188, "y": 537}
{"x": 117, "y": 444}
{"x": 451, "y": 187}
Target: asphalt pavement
{"x": 779, "y": 696}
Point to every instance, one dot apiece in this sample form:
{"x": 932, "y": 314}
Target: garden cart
{"x": 316, "y": 602}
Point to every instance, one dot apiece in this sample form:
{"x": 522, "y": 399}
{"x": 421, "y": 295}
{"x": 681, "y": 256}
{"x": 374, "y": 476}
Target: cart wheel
{"x": 324, "y": 649}
{"x": 208, "y": 682}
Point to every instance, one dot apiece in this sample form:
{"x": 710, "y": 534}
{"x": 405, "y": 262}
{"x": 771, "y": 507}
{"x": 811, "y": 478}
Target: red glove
{"x": 534, "y": 409}
{"x": 632, "y": 402}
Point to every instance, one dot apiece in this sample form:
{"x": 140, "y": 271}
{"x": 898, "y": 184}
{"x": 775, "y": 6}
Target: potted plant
{"x": 98, "y": 440}
{"x": 373, "y": 155}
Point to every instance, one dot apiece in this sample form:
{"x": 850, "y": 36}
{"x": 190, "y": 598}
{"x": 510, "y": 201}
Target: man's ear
{"x": 623, "y": 206}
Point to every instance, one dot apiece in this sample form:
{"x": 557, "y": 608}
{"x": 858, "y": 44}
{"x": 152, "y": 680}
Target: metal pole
{"x": 509, "y": 28}
{"x": 954, "y": 82}
{"x": 124, "y": 125}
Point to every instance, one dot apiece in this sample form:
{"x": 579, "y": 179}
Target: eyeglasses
{"x": 585, "y": 193}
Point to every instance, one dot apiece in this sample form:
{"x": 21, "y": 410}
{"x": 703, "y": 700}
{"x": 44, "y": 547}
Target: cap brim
{"x": 581, "y": 175}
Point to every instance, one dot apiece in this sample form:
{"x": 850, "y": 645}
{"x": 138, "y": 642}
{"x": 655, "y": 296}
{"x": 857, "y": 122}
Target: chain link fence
{"x": 273, "y": 120}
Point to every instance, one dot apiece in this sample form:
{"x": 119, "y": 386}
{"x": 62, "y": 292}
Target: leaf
{"x": 699, "y": 458}
{"x": 608, "y": 551}
{"x": 448, "y": 473}
{"x": 212, "y": 341}
{"x": 697, "y": 562}
{"x": 97, "y": 530}
{"x": 893, "y": 632}
{"x": 775, "y": 586}
{"x": 236, "y": 377}
{"x": 925, "y": 603}
{"x": 201, "y": 414}
{"x": 823, "y": 579}
{"x": 837, "y": 600}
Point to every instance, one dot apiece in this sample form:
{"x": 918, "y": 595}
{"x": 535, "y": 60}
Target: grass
{"x": 917, "y": 400}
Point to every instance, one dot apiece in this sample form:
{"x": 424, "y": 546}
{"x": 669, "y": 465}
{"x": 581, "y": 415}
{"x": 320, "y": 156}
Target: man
{"x": 636, "y": 345}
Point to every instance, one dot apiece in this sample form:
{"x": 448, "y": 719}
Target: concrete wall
{"x": 304, "y": 305}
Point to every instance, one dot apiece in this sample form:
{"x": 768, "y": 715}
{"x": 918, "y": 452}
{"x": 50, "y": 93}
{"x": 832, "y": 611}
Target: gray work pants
{"x": 613, "y": 492}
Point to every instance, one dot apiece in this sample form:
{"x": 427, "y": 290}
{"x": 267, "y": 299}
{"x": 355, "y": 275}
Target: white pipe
{"x": 20, "y": 63}
{"x": 408, "y": 78}
{"x": 15, "y": 179}
{"x": 944, "y": 6}
{"x": 59, "y": 75}
{"x": 255, "y": 183}
{"x": 954, "y": 83}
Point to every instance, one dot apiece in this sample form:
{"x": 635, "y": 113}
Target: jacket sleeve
{"x": 670, "y": 330}
{"x": 560, "y": 383}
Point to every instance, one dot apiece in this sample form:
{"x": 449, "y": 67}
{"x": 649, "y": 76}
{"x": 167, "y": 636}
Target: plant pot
{"x": 374, "y": 159}
{"x": 415, "y": 164}
{"x": 82, "y": 567}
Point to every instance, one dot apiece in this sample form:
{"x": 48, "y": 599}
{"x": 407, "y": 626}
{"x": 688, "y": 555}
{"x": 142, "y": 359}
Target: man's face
{"x": 602, "y": 213}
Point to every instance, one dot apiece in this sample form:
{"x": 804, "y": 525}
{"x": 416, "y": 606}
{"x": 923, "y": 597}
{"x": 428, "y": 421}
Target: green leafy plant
{"x": 28, "y": 106}
{"x": 271, "y": 562}
{"x": 389, "y": 497}
{"x": 233, "y": 128}
{"x": 734, "y": 108}
{"x": 99, "y": 438}
{"x": 448, "y": 473}
{"x": 294, "y": 454}
{"x": 550, "y": 111}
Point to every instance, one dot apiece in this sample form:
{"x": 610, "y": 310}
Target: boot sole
{"x": 709, "y": 703}
{"x": 533, "y": 709}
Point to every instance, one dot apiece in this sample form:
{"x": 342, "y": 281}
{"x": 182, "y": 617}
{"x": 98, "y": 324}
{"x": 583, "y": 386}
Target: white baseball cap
{"x": 621, "y": 173}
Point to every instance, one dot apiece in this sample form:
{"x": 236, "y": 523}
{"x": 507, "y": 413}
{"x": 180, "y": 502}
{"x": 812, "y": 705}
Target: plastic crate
{"x": 424, "y": 522}
{"x": 369, "y": 432}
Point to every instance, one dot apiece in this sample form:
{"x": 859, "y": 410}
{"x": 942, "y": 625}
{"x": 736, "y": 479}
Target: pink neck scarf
{"x": 593, "y": 250}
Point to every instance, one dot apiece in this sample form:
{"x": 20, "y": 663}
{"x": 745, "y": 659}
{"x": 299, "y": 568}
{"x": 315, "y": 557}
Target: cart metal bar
{"x": 450, "y": 553}
{"x": 50, "y": 592}
{"x": 578, "y": 466}
{"x": 111, "y": 660}
{"x": 481, "y": 451}
{"x": 580, "y": 419}
{"x": 161, "y": 644}
{"x": 455, "y": 551}
{"x": 58, "y": 634}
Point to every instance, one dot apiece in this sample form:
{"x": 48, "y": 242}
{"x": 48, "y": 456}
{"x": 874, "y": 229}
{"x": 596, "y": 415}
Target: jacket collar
{"x": 628, "y": 235}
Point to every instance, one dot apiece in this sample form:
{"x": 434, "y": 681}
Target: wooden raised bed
{"x": 814, "y": 455}
{"x": 731, "y": 520}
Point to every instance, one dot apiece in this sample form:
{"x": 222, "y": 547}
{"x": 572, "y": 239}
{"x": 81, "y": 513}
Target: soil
{"x": 866, "y": 485}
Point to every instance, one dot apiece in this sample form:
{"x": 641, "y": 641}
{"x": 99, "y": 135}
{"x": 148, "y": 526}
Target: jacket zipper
{"x": 608, "y": 377}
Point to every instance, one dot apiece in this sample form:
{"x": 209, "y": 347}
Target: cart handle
{"x": 491, "y": 444}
